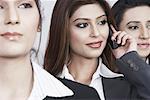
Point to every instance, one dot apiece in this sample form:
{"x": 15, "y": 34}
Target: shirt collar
{"x": 47, "y": 85}
{"x": 65, "y": 73}
{"x": 102, "y": 70}
{"x": 105, "y": 72}
{"x": 147, "y": 61}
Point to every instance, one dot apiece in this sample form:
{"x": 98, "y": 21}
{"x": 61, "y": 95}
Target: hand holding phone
{"x": 113, "y": 43}
{"x": 121, "y": 42}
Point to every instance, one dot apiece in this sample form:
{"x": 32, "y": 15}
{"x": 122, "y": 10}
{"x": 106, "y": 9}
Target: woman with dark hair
{"x": 133, "y": 16}
{"x": 78, "y": 50}
{"x": 20, "y": 77}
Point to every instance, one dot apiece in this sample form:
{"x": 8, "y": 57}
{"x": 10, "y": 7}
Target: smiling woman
{"x": 136, "y": 24}
{"x": 78, "y": 50}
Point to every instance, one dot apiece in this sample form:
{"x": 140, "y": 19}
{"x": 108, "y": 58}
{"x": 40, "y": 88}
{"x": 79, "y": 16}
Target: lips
{"x": 143, "y": 45}
{"x": 95, "y": 44}
{"x": 11, "y": 35}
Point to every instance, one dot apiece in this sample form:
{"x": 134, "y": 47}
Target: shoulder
{"x": 136, "y": 71}
{"x": 81, "y": 92}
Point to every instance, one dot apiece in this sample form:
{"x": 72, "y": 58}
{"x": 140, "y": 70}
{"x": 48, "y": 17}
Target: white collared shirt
{"x": 47, "y": 85}
{"x": 96, "y": 81}
{"x": 147, "y": 61}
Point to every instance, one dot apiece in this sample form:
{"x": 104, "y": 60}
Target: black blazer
{"x": 135, "y": 85}
{"x": 81, "y": 92}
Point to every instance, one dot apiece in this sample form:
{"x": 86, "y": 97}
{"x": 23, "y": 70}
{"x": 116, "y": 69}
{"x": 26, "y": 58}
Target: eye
{"x": 133, "y": 27}
{"x": 1, "y": 7}
{"x": 148, "y": 26}
{"x": 82, "y": 25}
{"x": 25, "y": 5}
{"x": 103, "y": 22}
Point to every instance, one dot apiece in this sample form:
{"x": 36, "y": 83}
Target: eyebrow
{"x": 148, "y": 21}
{"x": 137, "y": 22}
{"x": 18, "y": 1}
{"x": 87, "y": 18}
{"x": 24, "y": 0}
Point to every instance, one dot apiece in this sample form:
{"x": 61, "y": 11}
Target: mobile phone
{"x": 113, "y": 44}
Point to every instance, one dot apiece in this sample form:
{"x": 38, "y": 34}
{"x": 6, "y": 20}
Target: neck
{"x": 16, "y": 78}
{"x": 82, "y": 69}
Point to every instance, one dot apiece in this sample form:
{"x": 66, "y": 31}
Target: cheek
{"x": 135, "y": 34}
{"x": 31, "y": 20}
{"x": 75, "y": 38}
{"x": 104, "y": 32}
{"x": 31, "y": 32}
{"x": 31, "y": 26}
{"x": 78, "y": 35}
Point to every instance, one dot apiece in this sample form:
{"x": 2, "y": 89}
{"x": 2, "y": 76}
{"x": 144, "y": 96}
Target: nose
{"x": 94, "y": 31}
{"x": 12, "y": 16}
{"x": 145, "y": 33}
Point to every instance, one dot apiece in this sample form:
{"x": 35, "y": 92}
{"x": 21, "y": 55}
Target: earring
{"x": 39, "y": 29}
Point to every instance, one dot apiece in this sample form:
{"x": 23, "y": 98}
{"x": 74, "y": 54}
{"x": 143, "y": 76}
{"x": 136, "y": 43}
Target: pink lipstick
{"x": 11, "y": 35}
{"x": 144, "y": 45}
{"x": 95, "y": 44}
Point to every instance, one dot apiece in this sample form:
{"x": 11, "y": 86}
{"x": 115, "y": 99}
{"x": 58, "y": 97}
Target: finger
{"x": 120, "y": 37}
{"x": 115, "y": 35}
{"x": 113, "y": 29}
{"x": 125, "y": 39}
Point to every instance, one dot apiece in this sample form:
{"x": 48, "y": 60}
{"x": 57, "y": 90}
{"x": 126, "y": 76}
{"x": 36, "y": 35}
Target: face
{"x": 19, "y": 20}
{"x": 88, "y": 31}
{"x": 136, "y": 21}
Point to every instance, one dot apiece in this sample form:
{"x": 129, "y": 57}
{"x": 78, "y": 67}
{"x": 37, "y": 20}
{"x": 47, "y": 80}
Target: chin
{"x": 143, "y": 54}
{"x": 93, "y": 55}
{"x": 13, "y": 53}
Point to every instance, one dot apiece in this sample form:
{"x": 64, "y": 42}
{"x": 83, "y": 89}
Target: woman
{"x": 78, "y": 50}
{"x": 20, "y": 77}
{"x": 133, "y": 17}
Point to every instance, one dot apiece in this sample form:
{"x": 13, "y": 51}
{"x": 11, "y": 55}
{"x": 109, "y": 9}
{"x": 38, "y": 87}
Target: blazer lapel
{"x": 115, "y": 88}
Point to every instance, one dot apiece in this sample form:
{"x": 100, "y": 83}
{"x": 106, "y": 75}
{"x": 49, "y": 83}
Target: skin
{"x": 15, "y": 12}
{"x": 88, "y": 36}
{"x": 87, "y": 29}
{"x": 19, "y": 21}
{"x": 138, "y": 25}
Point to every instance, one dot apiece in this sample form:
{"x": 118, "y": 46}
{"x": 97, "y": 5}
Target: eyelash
{"x": 133, "y": 27}
{"x": 25, "y": 5}
{"x": 103, "y": 22}
{"x": 82, "y": 25}
{"x": 1, "y": 7}
{"x": 148, "y": 26}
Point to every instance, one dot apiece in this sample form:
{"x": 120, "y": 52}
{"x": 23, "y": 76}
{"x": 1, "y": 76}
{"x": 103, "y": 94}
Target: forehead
{"x": 140, "y": 13}
{"x": 89, "y": 10}
{"x": 15, "y": 0}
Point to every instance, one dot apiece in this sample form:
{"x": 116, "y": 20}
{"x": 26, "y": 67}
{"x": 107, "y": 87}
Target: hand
{"x": 127, "y": 42}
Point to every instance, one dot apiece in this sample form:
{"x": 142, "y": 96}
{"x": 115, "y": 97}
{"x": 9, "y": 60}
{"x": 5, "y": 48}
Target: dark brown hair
{"x": 121, "y": 6}
{"x": 58, "y": 47}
